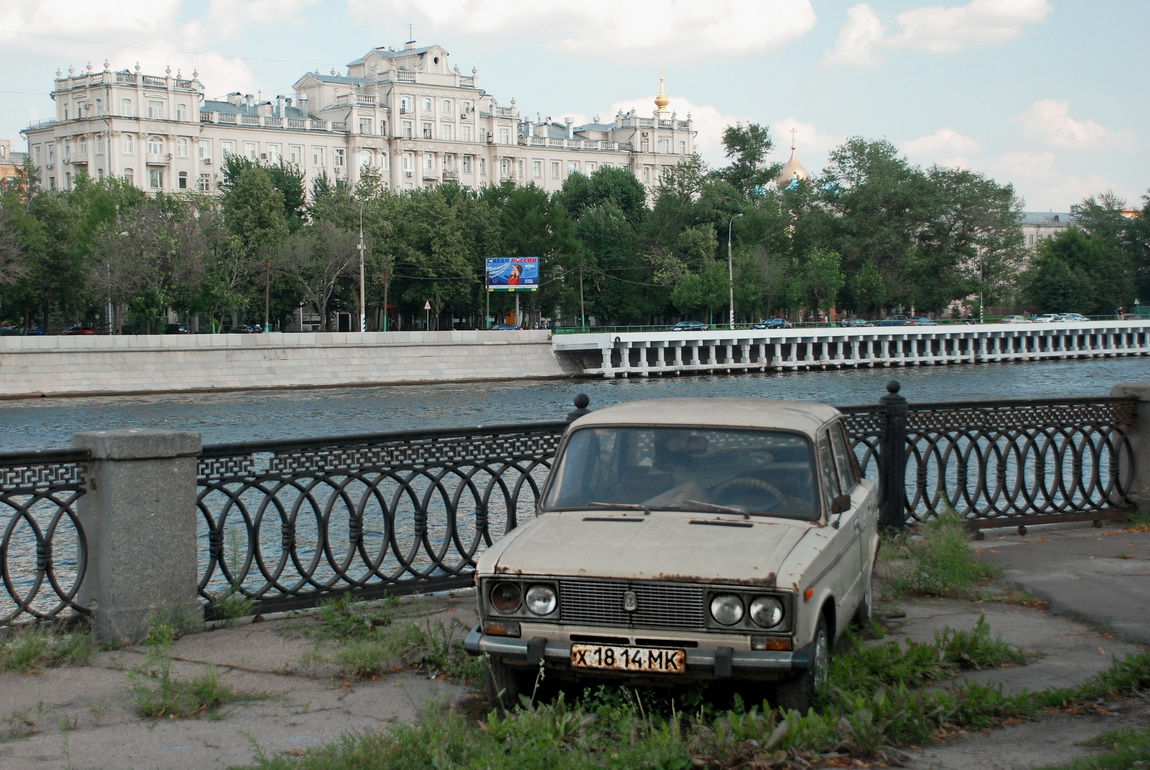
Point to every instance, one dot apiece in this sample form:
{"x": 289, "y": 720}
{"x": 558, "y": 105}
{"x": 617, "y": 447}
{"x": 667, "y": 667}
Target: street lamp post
{"x": 731, "y": 270}
{"x": 362, "y": 303}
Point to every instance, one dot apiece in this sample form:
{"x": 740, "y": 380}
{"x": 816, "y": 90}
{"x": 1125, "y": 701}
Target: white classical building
{"x": 406, "y": 116}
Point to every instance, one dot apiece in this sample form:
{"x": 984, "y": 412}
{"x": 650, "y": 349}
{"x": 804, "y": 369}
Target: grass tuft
{"x": 934, "y": 560}
{"x": 35, "y": 647}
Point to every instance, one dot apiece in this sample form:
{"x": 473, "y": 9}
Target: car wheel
{"x": 799, "y": 693}
{"x": 504, "y": 684}
{"x": 865, "y": 612}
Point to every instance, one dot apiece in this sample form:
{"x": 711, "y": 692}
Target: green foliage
{"x": 935, "y": 560}
{"x": 31, "y": 648}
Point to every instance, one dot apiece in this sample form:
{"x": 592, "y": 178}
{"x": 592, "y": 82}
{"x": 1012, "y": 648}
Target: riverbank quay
{"x": 84, "y": 716}
{"x": 31, "y": 367}
{"x": 647, "y": 354}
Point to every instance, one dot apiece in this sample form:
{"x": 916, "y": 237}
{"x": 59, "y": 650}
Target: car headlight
{"x": 506, "y": 596}
{"x": 726, "y": 609}
{"x": 767, "y": 611}
{"x": 541, "y": 599}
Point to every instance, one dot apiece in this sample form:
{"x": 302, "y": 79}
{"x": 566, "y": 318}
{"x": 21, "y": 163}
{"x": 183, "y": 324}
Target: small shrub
{"x": 31, "y": 648}
{"x": 935, "y": 561}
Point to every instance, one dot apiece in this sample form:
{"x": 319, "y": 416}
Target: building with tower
{"x": 405, "y": 117}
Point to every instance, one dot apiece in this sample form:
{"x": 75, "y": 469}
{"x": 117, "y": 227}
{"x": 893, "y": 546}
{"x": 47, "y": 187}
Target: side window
{"x": 844, "y": 460}
{"x": 828, "y": 476}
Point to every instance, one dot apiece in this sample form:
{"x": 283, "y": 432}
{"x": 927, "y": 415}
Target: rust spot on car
{"x": 769, "y": 581}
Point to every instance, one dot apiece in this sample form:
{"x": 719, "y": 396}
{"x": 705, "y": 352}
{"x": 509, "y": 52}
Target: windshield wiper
{"x": 619, "y": 506}
{"x": 699, "y": 504}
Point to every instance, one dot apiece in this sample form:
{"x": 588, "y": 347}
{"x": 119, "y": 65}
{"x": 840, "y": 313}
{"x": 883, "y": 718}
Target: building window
{"x": 537, "y": 168}
{"x": 407, "y": 129}
{"x": 101, "y": 148}
{"x": 427, "y": 104}
{"x": 365, "y": 159}
{"x": 426, "y": 130}
{"x": 407, "y": 161}
{"x": 127, "y": 144}
{"x": 448, "y": 162}
{"x": 590, "y": 168}
{"x": 447, "y": 132}
{"x": 129, "y": 176}
{"x": 446, "y": 107}
{"x": 665, "y": 146}
{"x": 181, "y": 112}
{"x": 155, "y": 109}
{"x": 155, "y": 145}
{"x": 340, "y": 157}
{"x": 67, "y": 180}
{"x": 483, "y": 167}
{"x": 505, "y": 136}
{"x": 274, "y": 154}
{"x": 182, "y": 147}
{"x": 317, "y": 156}
{"x": 251, "y": 150}
{"x": 405, "y": 104}
{"x": 573, "y": 167}
{"x": 205, "y": 149}
{"x": 182, "y": 180}
{"x": 295, "y": 154}
{"x": 51, "y": 154}
{"x": 205, "y": 183}
{"x": 156, "y": 178}
{"x": 227, "y": 147}
{"x": 428, "y": 161}
{"x": 365, "y": 125}
{"x": 383, "y": 128}
{"x": 83, "y": 148}
{"x": 466, "y": 135}
{"x": 466, "y": 164}
{"x": 126, "y": 108}
{"x": 555, "y": 169}
{"x": 682, "y": 148}
{"x": 505, "y": 168}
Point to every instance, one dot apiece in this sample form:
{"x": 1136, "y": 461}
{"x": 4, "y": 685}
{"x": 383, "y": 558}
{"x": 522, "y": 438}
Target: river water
{"x": 48, "y": 423}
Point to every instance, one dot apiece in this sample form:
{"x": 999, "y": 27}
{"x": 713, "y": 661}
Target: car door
{"x": 864, "y": 511}
{"x": 846, "y": 566}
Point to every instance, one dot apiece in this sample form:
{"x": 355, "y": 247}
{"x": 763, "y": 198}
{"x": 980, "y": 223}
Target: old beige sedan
{"x": 685, "y": 540}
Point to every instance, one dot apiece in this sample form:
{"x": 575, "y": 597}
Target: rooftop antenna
{"x": 410, "y": 34}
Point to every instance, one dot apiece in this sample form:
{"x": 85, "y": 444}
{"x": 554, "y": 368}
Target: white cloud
{"x": 628, "y": 31}
{"x": 980, "y": 22}
{"x": 1044, "y": 186}
{"x": 945, "y": 147}
{"x": 1048, "y": 121}
{"x": 231, "y": 19}
{"x": 858, "y": 39}
{"x": 39, "y": 24}
{"x": 934, "y": 29}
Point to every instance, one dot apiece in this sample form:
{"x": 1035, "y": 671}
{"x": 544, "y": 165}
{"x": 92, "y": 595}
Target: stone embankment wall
{"x": 94, "y": 365}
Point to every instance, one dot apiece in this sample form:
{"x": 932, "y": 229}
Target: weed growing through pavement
{"x": 232, "y": 604}
{"x": 934, "y": 559}
{"x": 157, "y": 693}
{"x": 367, "y": 640}
{"x": 31, "y": 648}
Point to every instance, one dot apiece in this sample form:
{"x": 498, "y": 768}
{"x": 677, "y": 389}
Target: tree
{"x": 821, "y": 277}
{"x": 748, "y": 147}
{"x": 314, "y": 258}
{"x": 254, "y": 213}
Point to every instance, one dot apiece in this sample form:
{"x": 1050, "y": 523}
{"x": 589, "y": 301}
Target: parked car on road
{"x": 925, "y": 321}
{"x": 857, "y": 322}
{"x": 1073, "y": 318}
{"x": 1015, "y": 319}
{"x": 685, "y": 540}
{"x": 774, "y": 323}
{"x": 688, "y": 326}
{"x": 1047, "y": 318}
{"x": 177, "y": 329}
{"x": 79, "y": 330}
{"x": 503, "y": 327}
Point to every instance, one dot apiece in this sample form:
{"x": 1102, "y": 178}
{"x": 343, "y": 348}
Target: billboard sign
{"x": 512, "y": 273}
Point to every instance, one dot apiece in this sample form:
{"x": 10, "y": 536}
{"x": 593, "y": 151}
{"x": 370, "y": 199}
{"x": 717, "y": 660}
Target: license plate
{"x": 645, "y": 659}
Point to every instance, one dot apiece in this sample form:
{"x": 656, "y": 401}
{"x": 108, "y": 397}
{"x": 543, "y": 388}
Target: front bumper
{"x": 715, "y": 663}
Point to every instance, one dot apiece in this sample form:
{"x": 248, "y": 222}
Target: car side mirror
{"x": 840, "y": 505}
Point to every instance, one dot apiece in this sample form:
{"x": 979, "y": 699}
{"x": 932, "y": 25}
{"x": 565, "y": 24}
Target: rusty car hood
{"x": 676, "y": 546}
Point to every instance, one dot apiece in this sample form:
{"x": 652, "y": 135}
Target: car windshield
{"x": 753, "y": 472}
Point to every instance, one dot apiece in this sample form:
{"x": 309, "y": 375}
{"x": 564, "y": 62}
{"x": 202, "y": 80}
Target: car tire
{"x": 865, "y": 612}
{"x": 799, "y": 693}
{"x": 504, "y": 684}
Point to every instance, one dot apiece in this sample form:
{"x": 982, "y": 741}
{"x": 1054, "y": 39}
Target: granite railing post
{"x": 892, "y": 457}
{"x": 1139, "y": 437}
{"x": 140, "y": 520}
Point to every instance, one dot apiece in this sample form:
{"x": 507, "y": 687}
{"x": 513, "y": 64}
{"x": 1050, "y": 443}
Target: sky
{"x": 1044, "y": 95}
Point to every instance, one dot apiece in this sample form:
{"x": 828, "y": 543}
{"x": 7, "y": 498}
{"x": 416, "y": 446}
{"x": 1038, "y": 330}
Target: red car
{"x": 79, "y": 330}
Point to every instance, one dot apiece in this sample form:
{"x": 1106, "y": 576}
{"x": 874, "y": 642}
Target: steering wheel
{"x": 733, "y": 491}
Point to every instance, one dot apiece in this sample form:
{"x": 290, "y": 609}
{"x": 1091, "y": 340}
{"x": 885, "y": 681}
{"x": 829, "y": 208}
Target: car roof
{"x": 801, "y": 416}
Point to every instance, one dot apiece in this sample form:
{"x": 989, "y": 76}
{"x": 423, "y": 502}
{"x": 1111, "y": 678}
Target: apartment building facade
{"x": 405, "y": 117}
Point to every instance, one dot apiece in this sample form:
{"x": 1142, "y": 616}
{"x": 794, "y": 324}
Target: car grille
{"x": 657, "y": 605}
